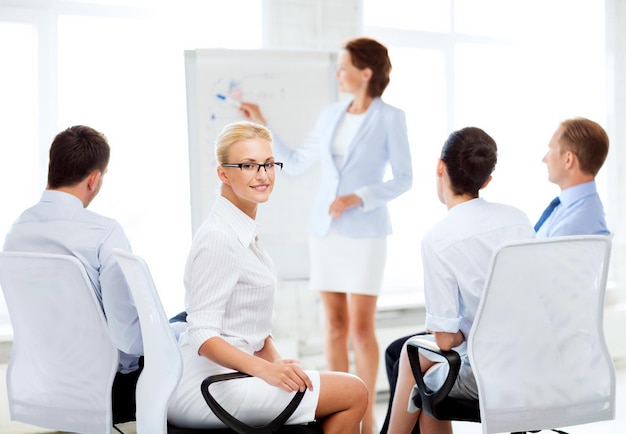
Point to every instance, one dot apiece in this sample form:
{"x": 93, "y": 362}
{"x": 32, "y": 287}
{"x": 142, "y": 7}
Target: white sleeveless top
{"x": 346, "y": 130}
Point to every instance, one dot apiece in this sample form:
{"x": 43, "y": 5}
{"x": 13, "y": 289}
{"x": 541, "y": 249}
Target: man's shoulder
{"x": 582, "y": 218}
{"x": 100, "y": 218}
{"x": 590, "y": 201}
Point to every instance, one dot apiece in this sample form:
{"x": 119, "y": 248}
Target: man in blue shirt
{"x": 575, "y": 154}
{"x": 60, "y": 223}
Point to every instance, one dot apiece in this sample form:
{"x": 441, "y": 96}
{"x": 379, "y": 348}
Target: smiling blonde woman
{"x": 230, "y": 286}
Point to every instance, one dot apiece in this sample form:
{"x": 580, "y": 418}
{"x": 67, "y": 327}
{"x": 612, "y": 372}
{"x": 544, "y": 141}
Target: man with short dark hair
{"x": 61, "y": 224}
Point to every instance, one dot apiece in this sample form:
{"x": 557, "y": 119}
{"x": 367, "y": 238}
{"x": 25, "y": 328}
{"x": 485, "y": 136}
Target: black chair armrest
{"x": 234, "y": 423}
{"x": 432, "y": 398}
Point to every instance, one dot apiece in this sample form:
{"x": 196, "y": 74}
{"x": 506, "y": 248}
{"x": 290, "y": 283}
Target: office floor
{"x": 617, "y": 426}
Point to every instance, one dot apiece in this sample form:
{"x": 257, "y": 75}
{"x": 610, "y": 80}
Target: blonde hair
{"x": 236, "y": 132}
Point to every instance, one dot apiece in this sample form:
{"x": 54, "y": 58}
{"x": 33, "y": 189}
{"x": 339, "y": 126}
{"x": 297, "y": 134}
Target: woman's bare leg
{"x": 362, "y": 314}
{"x": 337, "y": 329}
{"x": 342, "y": 403}
{"x": 429, "y": 425}
{"x": 401, "y": 421}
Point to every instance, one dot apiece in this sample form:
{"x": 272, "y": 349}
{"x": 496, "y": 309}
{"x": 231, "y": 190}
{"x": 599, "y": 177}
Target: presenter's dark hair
{"x": 588, "y": 141}
{"x": 470, "y": 156}
{"x": 368, "y": 53}
{"x": 74, "y": 154}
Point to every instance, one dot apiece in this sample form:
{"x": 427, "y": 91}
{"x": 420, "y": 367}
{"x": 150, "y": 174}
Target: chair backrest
{"x": 62, "y": 362}
{"x": 162, "y": 360}
{"x": 537, "y": 346}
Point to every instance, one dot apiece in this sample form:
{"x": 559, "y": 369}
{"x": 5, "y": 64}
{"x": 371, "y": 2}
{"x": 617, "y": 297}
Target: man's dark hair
{"x": 74, "y": 154}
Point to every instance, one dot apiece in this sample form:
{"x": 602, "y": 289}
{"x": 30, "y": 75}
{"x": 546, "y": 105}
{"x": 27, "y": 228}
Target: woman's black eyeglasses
{"x": 249, "y": 167}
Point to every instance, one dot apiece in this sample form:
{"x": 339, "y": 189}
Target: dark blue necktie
{"x": 547, "y": 212}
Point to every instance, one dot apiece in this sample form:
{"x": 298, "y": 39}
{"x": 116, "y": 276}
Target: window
{"x": 516, "y": 77}
{"x": 19, "y": 155}
{"x": 117, "y": 66}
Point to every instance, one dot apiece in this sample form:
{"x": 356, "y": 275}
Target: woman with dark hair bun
{"x": 355, "y": 140}
{"x": 456, "y": 254}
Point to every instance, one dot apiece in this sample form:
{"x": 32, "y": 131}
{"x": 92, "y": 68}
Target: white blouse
{"x": 346, "y": 130}
{"x": 230, "y": 282}
{"x": 456, "y": 254}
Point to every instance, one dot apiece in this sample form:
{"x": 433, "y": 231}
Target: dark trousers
{"x": 392, "y": 360}
{"x": 123, "y": 395}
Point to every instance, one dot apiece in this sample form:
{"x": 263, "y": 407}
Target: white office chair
{"x": 62, "y": 362}
{"x": 537, "y": 345}
{"x": 163, "y": 366}
{"x": 162, "y": 360}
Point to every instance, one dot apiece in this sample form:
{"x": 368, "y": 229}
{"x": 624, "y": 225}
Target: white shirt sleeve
{"x": 441, "y": 292}
{"x": 212, "y": 273}
{"x": 117, "y": 301}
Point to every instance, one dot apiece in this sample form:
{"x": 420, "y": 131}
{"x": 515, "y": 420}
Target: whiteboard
{"x": 290, "y": 87}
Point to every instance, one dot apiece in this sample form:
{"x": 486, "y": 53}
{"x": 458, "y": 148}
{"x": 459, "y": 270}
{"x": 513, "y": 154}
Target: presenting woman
{"x": 355, "y": 142}
{"x": 230, "y": 286}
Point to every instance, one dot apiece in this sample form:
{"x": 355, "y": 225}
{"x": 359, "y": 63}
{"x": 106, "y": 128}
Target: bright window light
{"x": 415, "y": 15}
{"x": 515, "y": 71}
{"x": 119, "y": 68}
{"x": 19, "y": 160}
{"x": 19, "y": 155}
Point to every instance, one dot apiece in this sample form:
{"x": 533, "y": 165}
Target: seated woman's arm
{"x": 446, "y": 341}
{"x": 288, "y": 376}
{"x": 271, "y": 354}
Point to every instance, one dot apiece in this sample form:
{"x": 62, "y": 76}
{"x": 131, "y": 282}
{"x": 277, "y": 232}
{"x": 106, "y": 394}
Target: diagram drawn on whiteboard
{"x": 225, "y": 92}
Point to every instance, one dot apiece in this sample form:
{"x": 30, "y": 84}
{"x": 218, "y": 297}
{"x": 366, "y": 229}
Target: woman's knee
{"x": 341, "y": 391}
{"x": 338, "y": 326}
{"x": 335, "y": 311}
{"x": 363, "y": 332}
{"x": 363, "y": 320}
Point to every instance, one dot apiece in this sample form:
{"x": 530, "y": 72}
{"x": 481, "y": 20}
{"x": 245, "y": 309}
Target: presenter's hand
{"x": 342, "y": 203}
{"x": 252, "y": 112}
{"x": 289, "y": 377}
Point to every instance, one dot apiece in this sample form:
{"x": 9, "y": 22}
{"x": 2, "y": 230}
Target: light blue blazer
{"x": 380, "y": 141}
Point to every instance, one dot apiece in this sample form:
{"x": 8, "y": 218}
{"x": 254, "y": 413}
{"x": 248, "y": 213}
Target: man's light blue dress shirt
{"x": 579, "y": 213}
{"x": 60, "y": 224}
